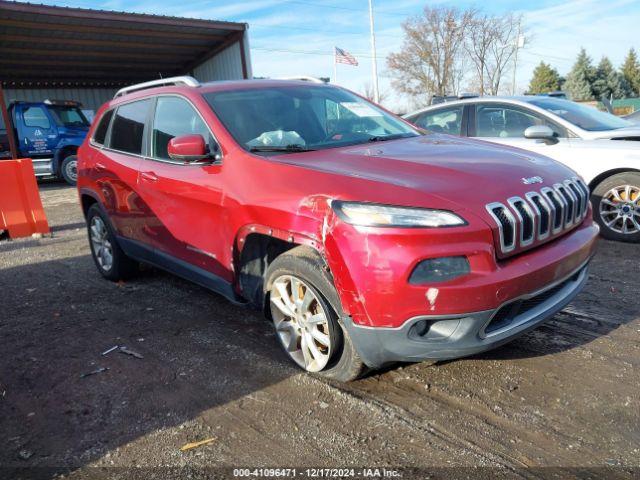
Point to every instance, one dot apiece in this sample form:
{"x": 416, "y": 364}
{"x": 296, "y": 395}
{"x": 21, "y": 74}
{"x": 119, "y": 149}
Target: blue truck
{"x": 49, "y": 133}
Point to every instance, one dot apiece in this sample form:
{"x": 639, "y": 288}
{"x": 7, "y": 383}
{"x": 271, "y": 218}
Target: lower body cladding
{"x": 454, "y": 336}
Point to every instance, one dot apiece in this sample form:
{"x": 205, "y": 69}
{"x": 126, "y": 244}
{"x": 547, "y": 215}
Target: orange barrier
{"x": 21, "y": 212}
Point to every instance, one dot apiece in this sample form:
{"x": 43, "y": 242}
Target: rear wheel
{"x": 303, "y": 304}
{"x": 616, "y": 206}
{"x": 111, "y": 261}
{"x": 69, "y": 169}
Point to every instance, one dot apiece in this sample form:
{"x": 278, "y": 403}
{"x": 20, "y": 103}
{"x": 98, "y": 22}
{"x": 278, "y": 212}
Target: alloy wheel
{"x": 620, "y": 209}
{"x": 301, "y": 322}
{"x": 102, "y": 248}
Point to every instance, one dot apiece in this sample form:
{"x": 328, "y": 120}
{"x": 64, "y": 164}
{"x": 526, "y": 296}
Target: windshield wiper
{"x": 394, "y": 136}
{"x": 282, "y": 148}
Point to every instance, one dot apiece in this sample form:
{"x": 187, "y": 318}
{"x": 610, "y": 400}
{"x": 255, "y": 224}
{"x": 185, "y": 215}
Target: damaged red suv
{"x": 364, "y": 240}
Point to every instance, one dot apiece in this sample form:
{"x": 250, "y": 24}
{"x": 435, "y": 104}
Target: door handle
{"x": 100, "y": 167}
{"x": 149, "y": 176}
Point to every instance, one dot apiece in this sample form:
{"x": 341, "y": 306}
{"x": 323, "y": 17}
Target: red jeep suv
{"x": 364, "y": 240}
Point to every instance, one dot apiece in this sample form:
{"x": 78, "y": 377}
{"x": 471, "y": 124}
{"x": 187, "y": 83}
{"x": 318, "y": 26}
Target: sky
{"x": 296, "y": 37}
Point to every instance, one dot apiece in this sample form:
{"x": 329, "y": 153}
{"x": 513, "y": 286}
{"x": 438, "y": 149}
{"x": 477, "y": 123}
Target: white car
{"x": 602, "y": 148}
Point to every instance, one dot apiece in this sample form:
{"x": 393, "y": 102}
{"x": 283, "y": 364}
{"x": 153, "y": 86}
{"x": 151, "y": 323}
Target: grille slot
{"x": 506, "y": 225}
{"x": 558, "y": 208}
{"x": 525, "y": 219}
{"x": 569, "y": 201}
{"x": 579, "y": 200}
{"x": 543, "y": 212}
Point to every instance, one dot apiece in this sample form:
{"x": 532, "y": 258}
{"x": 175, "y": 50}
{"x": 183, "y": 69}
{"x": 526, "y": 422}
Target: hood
{"x": 459, "y": 171}
{"x": 627, "y": 133}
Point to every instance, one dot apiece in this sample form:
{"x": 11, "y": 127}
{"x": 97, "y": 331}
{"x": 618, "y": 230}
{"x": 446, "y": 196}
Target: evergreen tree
{"x": 581, "y": 77}
{"x": 545, "y": 79}
{"x": 607, "y": 82}
{"x": 631, "y": 73}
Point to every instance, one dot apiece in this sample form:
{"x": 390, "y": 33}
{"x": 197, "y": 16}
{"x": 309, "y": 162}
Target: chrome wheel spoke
{"x": 321, "y": 337}
{"x": 306, "y": 300}
{"x": 306, "y": 354}
{"x": 282, "y": 306}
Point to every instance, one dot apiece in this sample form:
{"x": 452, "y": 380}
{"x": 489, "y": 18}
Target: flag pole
{"x": 335, "y": 67}
{"x": 374, "y": 63}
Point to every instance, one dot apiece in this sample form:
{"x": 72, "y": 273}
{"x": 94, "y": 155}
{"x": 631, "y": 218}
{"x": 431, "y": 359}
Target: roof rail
{"x": 161, "y": 82}
{"x": 303, "y": 78}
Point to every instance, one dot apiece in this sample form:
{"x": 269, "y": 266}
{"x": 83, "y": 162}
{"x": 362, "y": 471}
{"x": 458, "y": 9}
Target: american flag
{"x": 342, "y": 56}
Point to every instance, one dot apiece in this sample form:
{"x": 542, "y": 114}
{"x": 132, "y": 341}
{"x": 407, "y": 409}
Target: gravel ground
{"x": 565, "y": 395}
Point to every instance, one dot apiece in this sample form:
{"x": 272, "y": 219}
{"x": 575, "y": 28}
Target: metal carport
{"x": 86, "y": 55}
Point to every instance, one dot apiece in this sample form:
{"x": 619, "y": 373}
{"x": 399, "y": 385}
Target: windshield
{"x": 297, "y": 118}
{"x": 587, "y": 118}
{"x": 69, "y": 116}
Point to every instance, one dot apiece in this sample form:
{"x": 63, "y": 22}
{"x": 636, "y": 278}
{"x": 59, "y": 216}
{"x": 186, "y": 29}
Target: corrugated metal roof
{"x": 43, "y": 45}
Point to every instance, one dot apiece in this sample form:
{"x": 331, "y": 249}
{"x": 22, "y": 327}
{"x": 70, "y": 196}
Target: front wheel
{"x": 303, "y": 304}
{"x": 69, "y": 169}
{"x": 616, "y": 207}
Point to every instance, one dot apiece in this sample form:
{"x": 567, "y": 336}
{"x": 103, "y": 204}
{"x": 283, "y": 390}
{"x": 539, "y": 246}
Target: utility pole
{"x": 374, "y": 62}
{"x": 519, "y": 45}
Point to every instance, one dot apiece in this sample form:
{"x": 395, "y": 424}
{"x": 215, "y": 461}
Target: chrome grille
{"x": 523, "y": 221}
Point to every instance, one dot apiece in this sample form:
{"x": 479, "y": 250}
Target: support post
{"x": 8, "y": 125}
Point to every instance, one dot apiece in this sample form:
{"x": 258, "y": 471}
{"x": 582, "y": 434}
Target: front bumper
{"x": 453, "y": 336}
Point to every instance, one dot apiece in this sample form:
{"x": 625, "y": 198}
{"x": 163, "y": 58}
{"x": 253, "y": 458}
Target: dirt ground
{"x": 565, "y": 395}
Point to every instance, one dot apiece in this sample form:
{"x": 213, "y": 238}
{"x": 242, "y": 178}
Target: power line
{"x": 309, "y": 52}
{"x": 336, "y": 7}
{"x": 309, "y": 29}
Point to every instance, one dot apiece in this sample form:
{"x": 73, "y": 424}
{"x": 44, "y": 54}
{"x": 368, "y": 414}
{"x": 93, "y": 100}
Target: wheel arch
{"x": 63, "y": 153}
{"x": 256, "y": 246}
{"x": 87, "y": 199}
{"x": 609, "y": 173}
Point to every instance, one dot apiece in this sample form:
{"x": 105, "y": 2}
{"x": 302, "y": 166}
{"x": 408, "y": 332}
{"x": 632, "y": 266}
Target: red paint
{"x": 203, "y": 214}
{"x": 187, "y": 145}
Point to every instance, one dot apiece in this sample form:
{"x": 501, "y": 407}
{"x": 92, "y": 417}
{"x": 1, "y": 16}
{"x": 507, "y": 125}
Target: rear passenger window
{"x": 128, "y": 127}
{"x": 448, "y": 120}
{"x": 101, "y": 130}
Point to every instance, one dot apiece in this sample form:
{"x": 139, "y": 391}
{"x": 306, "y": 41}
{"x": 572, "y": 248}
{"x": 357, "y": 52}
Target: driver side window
{"x": 173, "y": 117}
{"x": 501, "y": 121}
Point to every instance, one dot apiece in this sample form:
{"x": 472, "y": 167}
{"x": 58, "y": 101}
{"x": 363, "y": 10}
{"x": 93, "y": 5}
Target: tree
{"x": 428, "y": 62}
{"x": 545, "y": 79}
{"x": 505, "y": 32}
{"x": 581, "y": 77}
{"x": 631, "y": 73}
{"x": 367, "y": 92}
{"x": 491, "y": 42}
{"x": 607, "y": 81}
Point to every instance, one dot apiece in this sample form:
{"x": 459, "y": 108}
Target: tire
{"x": 120, "y": 266}
{"x": 339, "y": 359}
{"x": 614, "y": 196}
{"x": 69, "y": 169}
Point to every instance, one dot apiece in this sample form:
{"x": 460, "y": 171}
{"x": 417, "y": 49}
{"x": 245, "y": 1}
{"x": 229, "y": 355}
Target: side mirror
{"x": 188, "y": 148}
{"x": 542, "y": 133}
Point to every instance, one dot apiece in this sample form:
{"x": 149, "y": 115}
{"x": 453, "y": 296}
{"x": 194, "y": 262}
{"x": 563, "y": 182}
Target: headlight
{"x": 373, "y": 215}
